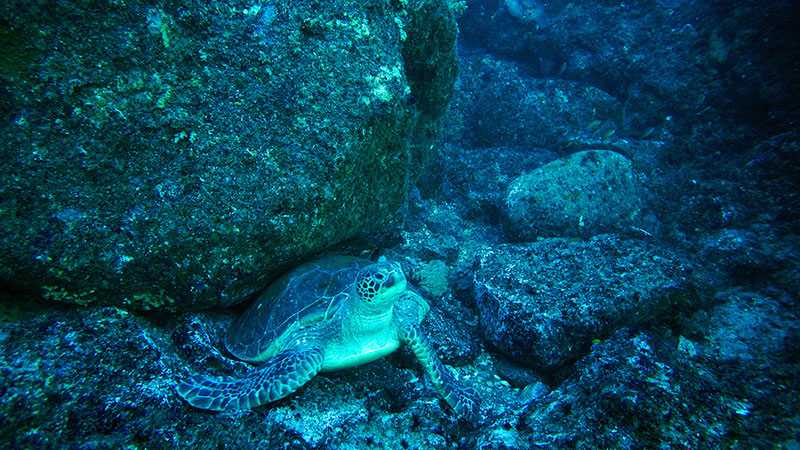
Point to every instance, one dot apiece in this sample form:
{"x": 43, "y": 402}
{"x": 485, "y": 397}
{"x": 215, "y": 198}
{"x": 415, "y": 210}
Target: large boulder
{"x": 584, "y": 194}
{"x": 544, "y": 303}
{"x": 179, "y": 156}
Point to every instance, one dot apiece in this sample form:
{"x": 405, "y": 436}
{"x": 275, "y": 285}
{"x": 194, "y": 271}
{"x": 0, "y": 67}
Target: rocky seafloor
{"x": 604, "y": 219}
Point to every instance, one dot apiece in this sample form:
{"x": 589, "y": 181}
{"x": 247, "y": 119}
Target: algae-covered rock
{"x": 178, "y": 155}
{"x": 638, "y": 389}
{"x": 584, "y": 194}
{"x": 544, "y": 303}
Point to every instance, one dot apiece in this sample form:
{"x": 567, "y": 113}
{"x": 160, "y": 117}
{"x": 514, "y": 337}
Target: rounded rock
{"x": 584, "y": 194}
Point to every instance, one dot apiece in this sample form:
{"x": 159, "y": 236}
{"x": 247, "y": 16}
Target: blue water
{"x": 495, "y": 224}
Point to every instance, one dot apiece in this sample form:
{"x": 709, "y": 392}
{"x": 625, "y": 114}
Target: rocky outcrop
{"x": 498, "y": 104}
{"x": 543, "y": 303}
{"x": 670, "y": 62}
{"x": 179, "y": 156}
{"x": 638, "y": 389}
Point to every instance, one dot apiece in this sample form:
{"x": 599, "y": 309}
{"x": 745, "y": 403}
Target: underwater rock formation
{"x": 638, "y": 389}
{"x": 667, "y": 61}
{"x": 175, "y": 155}
{"x": 499, "y": 104}
{"x": 544, "y": 303}
{"x": 745, "y": 328}
{"x": 584, "y": 194}
{"x": 179, "y": 156}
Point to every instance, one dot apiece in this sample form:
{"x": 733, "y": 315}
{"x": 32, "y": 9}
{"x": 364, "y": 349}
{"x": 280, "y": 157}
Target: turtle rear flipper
{"x": 276, "y": 378}
{"x": 462, "y": 399}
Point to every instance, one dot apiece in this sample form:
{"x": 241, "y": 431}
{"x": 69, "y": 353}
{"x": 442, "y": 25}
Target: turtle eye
{"x": 367, "y": 288}
{"x": 389, "y": 282}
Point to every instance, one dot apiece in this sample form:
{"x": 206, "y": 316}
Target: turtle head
{"x": 381, "y": 282}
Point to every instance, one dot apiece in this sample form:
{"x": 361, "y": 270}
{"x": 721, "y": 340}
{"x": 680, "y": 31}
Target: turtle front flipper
{"x": 460, "y": 398}
{"x": 278, "y": 377}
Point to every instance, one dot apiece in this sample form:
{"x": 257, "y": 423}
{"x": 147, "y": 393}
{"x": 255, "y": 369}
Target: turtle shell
{"x": 308, "y": 294}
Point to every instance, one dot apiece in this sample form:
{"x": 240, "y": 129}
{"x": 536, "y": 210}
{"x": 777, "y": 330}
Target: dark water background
{"x": 598, "y": 199}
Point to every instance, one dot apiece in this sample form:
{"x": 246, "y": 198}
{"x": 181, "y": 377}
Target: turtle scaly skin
{"x": 331, "y": 314}
{"x": 279, "y": 377}
{"x": 461, "y": 399}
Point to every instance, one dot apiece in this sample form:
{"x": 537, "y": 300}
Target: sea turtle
{"x": 330, "y": 314}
